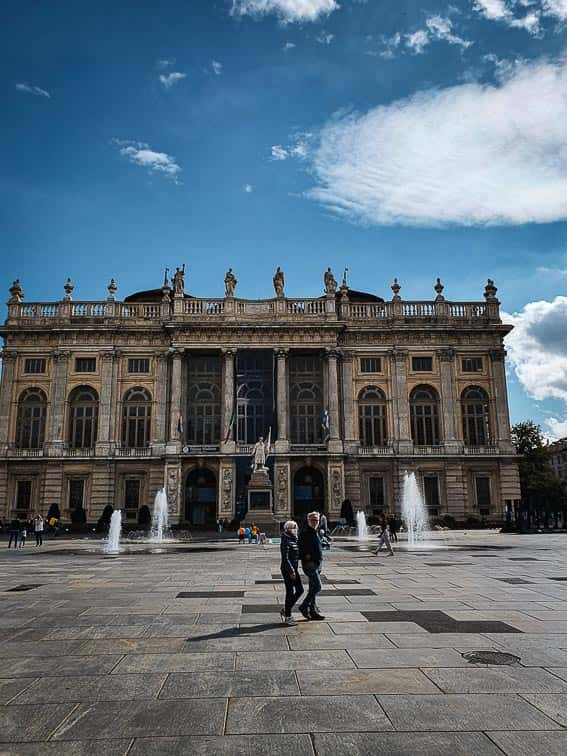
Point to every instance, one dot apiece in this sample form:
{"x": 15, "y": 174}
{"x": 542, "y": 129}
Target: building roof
{"x": 155, "y": 295}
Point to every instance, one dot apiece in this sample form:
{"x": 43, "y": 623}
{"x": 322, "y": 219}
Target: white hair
{"x": 290, "y": 525}
{"x": 313, "y": 514}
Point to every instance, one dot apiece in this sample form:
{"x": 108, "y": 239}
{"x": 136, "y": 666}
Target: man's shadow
{"x": 236, "y": 632}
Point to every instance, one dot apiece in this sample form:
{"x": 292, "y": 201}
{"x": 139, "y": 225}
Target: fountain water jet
{"x": 414, "y": 511}
{"x": 112, "y": 545}
{"x": 160, "y": 517}
{"x": 361, "y": 528}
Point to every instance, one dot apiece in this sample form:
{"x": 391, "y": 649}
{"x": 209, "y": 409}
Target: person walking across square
{"x": 13, "y": 533}
{"x": 384, "y": 539}
{"x": 311, "y": 555}
{"x": 289, "y": 567}
{"x": 38, "y": 525}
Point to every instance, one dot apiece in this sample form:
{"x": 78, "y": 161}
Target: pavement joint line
{"x": 129, "y": 746}
{"x": 53, "y": 732}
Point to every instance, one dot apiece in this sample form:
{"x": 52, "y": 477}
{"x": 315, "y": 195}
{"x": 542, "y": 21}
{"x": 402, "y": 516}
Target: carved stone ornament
{"x": 396, "y": 289}
{"x": 227, "y": 490}
{"x": 281, "y": 492}
{"x": 439, "y": 290}
{"x": 490, "y": 290}
{"x": 399, "y": 355}
{"x": 337, "y": 487}
{"x": 330, "y": 283}
{"x": 68, "y": 287}
{"x": 179, "y": 282}
{"x": 497, "y": 355}
{"x": 447, "y": 355}
{"x": 230, "y": 283}
{"x": 16, "y": 292}
{"x": 112, "y": 288}
{"x": 8, "y": 357}
{"x": 279, "y": 282}
{"x": 172, "y": 489}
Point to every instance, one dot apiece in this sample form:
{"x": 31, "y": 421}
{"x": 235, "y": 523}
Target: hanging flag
{"x": 230, "y": 429}
{"x": 325, "y": 425}
{"x": 268, "y": 443}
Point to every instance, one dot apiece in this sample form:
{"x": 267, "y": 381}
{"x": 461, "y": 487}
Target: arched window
{"x": 83, "y": 417}
{"x": 30, "y": 425}
{"x": 424, "y": 410}
{"x": 476, "y": 425}
{"x": 372, "y": 426}
{"x": 306, "y": 410}
{"x": 251, "y": 403}
{"x": 204, "y": 401}
{"x": 136, "y": 418}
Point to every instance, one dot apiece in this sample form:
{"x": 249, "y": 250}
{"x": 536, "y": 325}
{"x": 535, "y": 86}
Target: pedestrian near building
{"x": 23, "y": 534}
{"x": 289, "y": 549}
{"x": 311, "y": 555}
{"x": 38, "y": 526}
{"x": 13, "y": 532}
{"x": 393, "y": 527}
{"x": 384, "y": 539}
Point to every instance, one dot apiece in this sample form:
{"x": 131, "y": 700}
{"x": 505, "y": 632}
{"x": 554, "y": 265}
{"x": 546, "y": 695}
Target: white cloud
{"x": 473, "y": 154}
{"x": 557, "y": 428}
{"x": 168, "y": 80}
{"x": 248, "y": 188}
{"x": 552, "y": 271}
{"x": 279, "y": 152}
{"x": 216, "y": 67}
{"x": 437, "y": 28}
{"x": 288, "y": 11}
{"x": 537, "y": 349}
{"x": 165, "y": 62}
{"x": 523, "y": 14}
{"x": 141, "y": 154}
{"x": 37, "y": 91}
{"x": 324, "y": 38}
{"x": 289, "y": 46}
{"x": 299, "y": 147}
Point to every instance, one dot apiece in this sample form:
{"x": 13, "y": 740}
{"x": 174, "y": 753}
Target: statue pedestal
{"x": 260, "y": 495}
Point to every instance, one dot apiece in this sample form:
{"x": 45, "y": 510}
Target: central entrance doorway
{"x": 308, "y": 492}
{"x": 201, "y": 497}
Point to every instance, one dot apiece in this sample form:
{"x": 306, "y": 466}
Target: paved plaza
{"x": 184, "y": 652}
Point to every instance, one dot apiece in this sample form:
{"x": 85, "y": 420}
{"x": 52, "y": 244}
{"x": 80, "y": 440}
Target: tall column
{"x": 103, "y": 443}
{"x": 449, "y": 399}
{"x": 282, "y": 401}
{"x": 159, "y": 420}
{"x": 58, "y": 402}
{"x": 228, "y": 427}
{"x": 174, "y": 440}
{"x": 6, "y": 398}
{"x": 350, "y": 441}
{"x": 335, "y": 443}
{"x": 497, "y": 357}
{"x": 400, "y": 401}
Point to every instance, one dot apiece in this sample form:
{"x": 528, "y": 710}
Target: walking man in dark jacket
{"x": 290, "y": 570}
{"x": 311, "y": 555}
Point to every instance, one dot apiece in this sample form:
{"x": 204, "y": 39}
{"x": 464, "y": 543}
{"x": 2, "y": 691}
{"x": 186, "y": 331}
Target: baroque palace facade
{"x": 106, "y": 402}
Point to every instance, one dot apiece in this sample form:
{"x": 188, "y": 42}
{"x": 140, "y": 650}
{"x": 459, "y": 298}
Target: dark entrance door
{"x": 308, "y": 492}
{"x": 201, "y": 497}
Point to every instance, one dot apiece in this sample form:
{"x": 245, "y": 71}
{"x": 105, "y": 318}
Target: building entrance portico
{"x": 308, "y": 492}
{"x": 201, "y": 497}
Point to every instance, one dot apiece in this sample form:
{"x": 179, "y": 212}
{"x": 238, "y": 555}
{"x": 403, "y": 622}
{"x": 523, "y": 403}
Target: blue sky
{"x": 408, "y": 139}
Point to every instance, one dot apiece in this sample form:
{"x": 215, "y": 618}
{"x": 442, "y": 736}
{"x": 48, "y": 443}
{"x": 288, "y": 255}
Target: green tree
{"x": 537, "y": 479}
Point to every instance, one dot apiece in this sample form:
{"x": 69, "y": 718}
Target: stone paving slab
{"x": 233, "y": 745}
{"x": 230, "y": 684}
{"x": 362, "y": 681}
{"x": 112, "y": 719}
{"x": 74, "y": 748}
{"x": 407, "y": 657}
{"x": 294, "y": 714}
{"x": 406, "y": 744}
{"x": 553, "y": 705}
{"x": 25, "y": 723}
{"x": 92, "y": 688}
{"x": 59, "y": 666}
{"x": 294, "y": 660}
{"x": 202, "y": 662}
{"x": 531, "y": 743}
{"x": 496, "y": 680}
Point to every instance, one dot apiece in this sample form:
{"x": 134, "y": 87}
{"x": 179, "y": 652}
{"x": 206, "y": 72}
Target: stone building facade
{"x": 558, "y": 458}
{"x": 105, "y": 402}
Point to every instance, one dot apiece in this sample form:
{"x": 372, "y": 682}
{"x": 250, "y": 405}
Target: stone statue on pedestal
{"x": 279, "y": 282}
{"x": 230, "y": 283}
{"x": 330, "y": 282}
{"x": 260, "y": 454}
{"x": 179, "y": 282}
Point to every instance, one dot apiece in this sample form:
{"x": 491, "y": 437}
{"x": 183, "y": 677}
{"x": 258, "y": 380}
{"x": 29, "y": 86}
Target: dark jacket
{"x": 310, "y": 548}
{"x": 290, "y": 553}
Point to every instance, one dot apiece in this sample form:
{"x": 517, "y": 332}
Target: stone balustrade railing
{"x": 308, "y": 309}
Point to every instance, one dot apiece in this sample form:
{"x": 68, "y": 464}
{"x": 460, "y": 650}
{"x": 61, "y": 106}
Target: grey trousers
{"x": 384, "y": 541}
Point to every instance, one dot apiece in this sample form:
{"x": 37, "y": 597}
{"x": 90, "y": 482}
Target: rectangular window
{"x": 431, "y": 493}
{"x": 482, "y": 486}
{"x": 376, "y": 494}
{"x": 23, "y": 496}
{"x": 422, "y": 364}
{"x": 139, "y": 365}
{"x": 132, "y": 489}
{"x": 370, "y": 365}
{"x": 471, "y": 364}
{"x": 76, "y": 493}
{"x": 85, "y": 365}
{"x": 34, "y": 365}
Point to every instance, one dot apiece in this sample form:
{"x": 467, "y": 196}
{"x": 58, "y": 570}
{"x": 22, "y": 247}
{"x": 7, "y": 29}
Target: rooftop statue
{"x": 230, "y": 283}
{"x": 179, "y": 282}
{"x": 330, "y": 282}
{"x": 279, "y": 282}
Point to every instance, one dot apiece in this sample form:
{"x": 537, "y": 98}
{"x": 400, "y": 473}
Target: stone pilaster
{"x": 58, "y": 402}
{"x": 335, "y": 443}
{"x": 400, "y": 401}
{"x": 106, "y": 402}
{"x": 349, "y": 410}
{"x": 227, "y": 490}
{"x": 336, "y": 488}
{"x": 497, "y": 358}
{"x": 174, "y": 439}
{"x": 6, "y": 396}
{"x": 282, "y": 489}
{"x": 449, "y": 399}
{"x": 159, "y": 420}
{"x": 172, "y": 485}
{"x": 282, "y": 401}
{"x": 228, "y": 431}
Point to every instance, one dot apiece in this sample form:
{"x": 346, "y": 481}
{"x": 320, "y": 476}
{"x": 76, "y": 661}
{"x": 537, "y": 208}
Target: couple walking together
{"x": 307, "y": 548}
